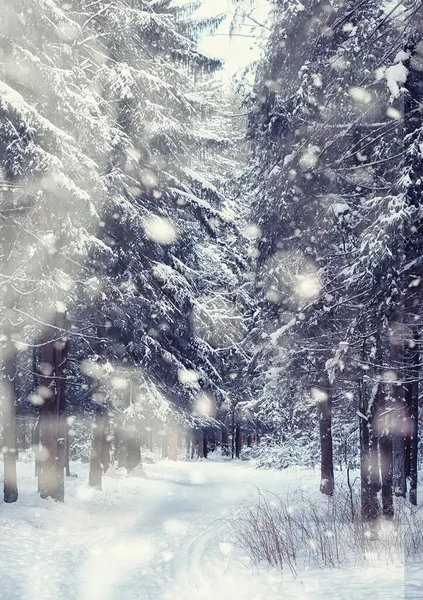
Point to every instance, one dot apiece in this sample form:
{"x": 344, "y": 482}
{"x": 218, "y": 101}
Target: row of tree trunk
{"x": 388, "y": 429}
{"x": 50, "y": 435}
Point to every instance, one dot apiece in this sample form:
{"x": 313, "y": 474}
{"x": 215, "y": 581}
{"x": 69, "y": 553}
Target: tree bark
{"x": 200, "y": 444}
{"x": 413, "y": 419}
{"x": 67, "y": 454}
{"x": 327, "y": 480}
{"x": 52, "y": 433}
{"x": 10, "y": 487}
{"x": 165, "y": 446}
{"x": 238, "y": 441}
{"x": 106, "y": 442}
{"x": 205, "y": 445}
{"x": 383, "y": 419}
{"x": 150, "y": 440}
{"x": 96, "y": 466}
{"x": 369, "y": 463}
{"x": 225, "y": 442}
{"x": 385, "y": 446}
{"x": 36, "y": 446}
{"x": 133, "y": 446}
{"x": 396, "y": 417}
{"x": 374, "y": 470}
{"x": 386, "y": 464}
{"x": 173, "y": 446}
{"x": 233, "y": 429}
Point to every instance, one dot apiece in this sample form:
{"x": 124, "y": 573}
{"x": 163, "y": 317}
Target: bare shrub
{"x": 298, "y": 530}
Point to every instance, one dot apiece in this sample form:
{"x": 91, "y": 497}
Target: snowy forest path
{"x": 162, "y": 537}
{"x": 139, "y": 538}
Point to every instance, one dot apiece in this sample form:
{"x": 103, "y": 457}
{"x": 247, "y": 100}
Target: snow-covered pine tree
{"x": 52, "y": 172}
{"x": 124, "y": 229}
{"x": 170, "y": 284}
{"x": 326, "y": 146}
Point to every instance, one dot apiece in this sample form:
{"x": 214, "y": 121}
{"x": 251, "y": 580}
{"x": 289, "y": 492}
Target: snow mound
{"x": 138, "y": 471}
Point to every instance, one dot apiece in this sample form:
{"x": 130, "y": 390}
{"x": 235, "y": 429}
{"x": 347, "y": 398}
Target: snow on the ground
{"x": 163, "y": 537}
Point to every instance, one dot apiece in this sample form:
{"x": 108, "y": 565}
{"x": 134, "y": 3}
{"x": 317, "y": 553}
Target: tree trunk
{"x": 383, "y": 419}
{"x": 52, "y": 432}
{"x": 386, "y": 464}
{"x": 193, "y": 444}
{"x": 385, "y": 446}
{"x": 9, "y": 423}
{"x": 225, "y": 442}
{"x": 238, "y": 441}
{"x": 67, "y": 457}
{"x": 165, "y": 446}
{"x": 106, "y": 442}
{"x": 398, "y": 440}
{"x": 173, "y": 446}
{"x": 200, "y": 444}
{"x": 413, "y": 419}
{"x": 36, "y": 446}
{"x": 150, "y": 440}
{"x": 205, "y": 445}
{"x": 96, "y": 466}
{"x": 121, "y": 452}
{"x": 133, "y": 446}
{"x": 325, "y": 430}
{"x": 61, "y": 356}
{"x": 369, "y": 467}
{"x": 233, "y": 428}
{"x": 364, "y": 454}
{"x": 212, "y": 441}
{"x": 374, "y": 470}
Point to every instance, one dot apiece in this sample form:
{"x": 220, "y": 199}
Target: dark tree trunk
{"x": 375, "y": 483}
{"x": 52, "y": 432}
{"x": 383, "y": 418}
{"x": 200, "y": 444}
{"x": 61, "y": 356}
{"x": 412, "y": 401}
{"x": 212, "y": 441}
{"x": 96, "y": 466}
{"x": 36, "y": 446}
{"x": 187, "y": 438}
{"x": 10, "y": 487}
{"x": 36, "y": 431}
{"x": 325, "y": 430}
{"x": 369, "y": 464}
{"x": 205, "y": 445}
{"x": 106, "y": 442}
{"x": 67, "y": 453}
{"x": 366, "y": 508}
{"x": 193, "y": 444}
{"x": 233, "y": 429}
{"x": 398, "y": 435}
{"x": 385, "y": 446}
{"x": 133, "y": 447}
{"x": 386, "y": 463}
{"x": 121, "y": 451}
{"x": 238, "y": 441}
{"x": 225, "y": 442}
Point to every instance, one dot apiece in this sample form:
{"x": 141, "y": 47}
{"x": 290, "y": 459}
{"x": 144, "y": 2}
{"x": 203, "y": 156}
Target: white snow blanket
{"x": 165, "y": 537}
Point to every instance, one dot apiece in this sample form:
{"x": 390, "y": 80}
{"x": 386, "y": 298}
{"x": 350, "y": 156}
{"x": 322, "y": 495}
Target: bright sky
{"x": 241, "y": 49}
